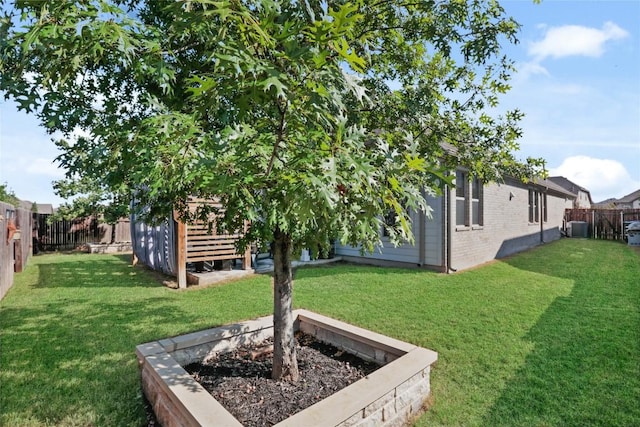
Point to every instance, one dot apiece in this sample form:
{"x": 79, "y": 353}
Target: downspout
{"x": 421, "y": 239}
{"x": 447, "y": 224}
{"x": 542, "y": 193}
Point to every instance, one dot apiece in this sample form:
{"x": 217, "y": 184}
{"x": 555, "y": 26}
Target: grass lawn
{"x": 550, "y": 337}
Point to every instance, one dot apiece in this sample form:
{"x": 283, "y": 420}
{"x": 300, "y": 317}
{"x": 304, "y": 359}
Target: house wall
{"x": 505, "y": 231}
{"x": 582, "y": 202}
{"x": 429, "y": 236}
{"x": 433, "y": 239}
{"x": 506, "y": 228}
{"x": 405, "y": 253}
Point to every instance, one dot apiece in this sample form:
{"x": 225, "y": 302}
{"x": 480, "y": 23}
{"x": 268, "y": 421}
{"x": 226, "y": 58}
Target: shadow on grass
{"x": 77, "y": 366}
{"x": 93, "y": 272}
{"x": 69, "y": 329}
{"x": 341, "y": 267}
{"x": 583, "y": 370}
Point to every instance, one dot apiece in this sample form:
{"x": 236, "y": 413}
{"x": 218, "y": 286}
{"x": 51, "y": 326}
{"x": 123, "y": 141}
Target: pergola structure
{"x": 198, "y": 242}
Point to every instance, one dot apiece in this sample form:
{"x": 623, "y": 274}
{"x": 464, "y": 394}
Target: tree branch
{"x": 279, "y": 136}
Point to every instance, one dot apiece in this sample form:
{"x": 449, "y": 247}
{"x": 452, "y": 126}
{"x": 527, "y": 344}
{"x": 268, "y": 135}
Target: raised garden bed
{"x": 390, "y": 396}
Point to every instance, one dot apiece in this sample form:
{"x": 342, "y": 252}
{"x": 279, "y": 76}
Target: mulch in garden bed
{"x": 241, "y": 380}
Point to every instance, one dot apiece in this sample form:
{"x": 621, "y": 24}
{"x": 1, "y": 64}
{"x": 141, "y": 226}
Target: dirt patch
{"x": 241, "y": 380}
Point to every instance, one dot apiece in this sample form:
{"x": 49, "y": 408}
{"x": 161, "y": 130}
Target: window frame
{"x": 537, "y": 203}
{"x": 477, "y": 185}
{"x": 469, "y": 195}
{"x": 462, "y": 193}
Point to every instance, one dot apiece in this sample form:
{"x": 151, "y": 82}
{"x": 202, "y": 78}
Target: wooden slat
{"x": 201, "y": 240}
{"x": 211, "y": 258}
{"x": 217, "y": 239}
{"x": 204, "y": 244}
{"x": 201, "y": 234}
{"x": 214, "y": 251}
{"x": 211, "y": 245}
{"x": 210, "y": 252}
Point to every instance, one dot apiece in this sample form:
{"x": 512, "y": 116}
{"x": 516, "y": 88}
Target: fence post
{"x": 17, "y": 254}
{"x": 246, "y": 259}
{"x": 182, "y": 252}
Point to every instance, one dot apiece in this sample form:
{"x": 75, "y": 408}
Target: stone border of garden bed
{"x": 391, "y": 396}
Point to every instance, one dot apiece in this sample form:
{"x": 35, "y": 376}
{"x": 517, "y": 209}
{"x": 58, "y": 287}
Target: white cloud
{"x": 604, "y": 178}
{"x": 526, "y": 69}
{"x": 575, "y": 40}
{"x": 42, "y": 166}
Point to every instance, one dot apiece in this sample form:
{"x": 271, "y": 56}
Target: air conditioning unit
{"x": 577, "y": 229}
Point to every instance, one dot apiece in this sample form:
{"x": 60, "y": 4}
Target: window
{"x": 537, "y": 206}
{"x": 476, "y": 202}
{"x": 533, "y": 206}
{"x": 389, "y": 220}
{"x": 461, "y": 198}
{"x": 468, "y": 200}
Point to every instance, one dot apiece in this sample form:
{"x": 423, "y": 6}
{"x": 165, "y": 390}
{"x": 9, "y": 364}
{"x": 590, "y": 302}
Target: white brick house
{"x": 475, "y": 223}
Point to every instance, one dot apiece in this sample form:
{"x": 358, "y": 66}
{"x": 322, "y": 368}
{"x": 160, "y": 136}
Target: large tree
{"x": 313, "y": 120}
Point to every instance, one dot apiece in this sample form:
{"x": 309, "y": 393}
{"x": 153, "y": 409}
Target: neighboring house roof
{"x": 45, "y": 208}
{"x": 570, "y": 186}
{"x": 550, "y": 185}
{"x": 610, "y": 202}
{"x": 629, "y": 198}
{"x": 626, "y": 200}
{"x": 25, "y": 204}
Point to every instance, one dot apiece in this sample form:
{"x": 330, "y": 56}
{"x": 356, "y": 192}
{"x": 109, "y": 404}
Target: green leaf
{"x": 357, "y": 63}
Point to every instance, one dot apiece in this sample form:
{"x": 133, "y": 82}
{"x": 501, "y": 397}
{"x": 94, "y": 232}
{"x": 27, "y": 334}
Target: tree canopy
{"x": 311, "y": 119}
{"x": 88, "y": 198}
{"x": 8, "y": 196}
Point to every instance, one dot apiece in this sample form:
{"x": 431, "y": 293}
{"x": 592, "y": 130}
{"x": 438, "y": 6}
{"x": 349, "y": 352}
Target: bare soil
{"x": 241, "y": 380}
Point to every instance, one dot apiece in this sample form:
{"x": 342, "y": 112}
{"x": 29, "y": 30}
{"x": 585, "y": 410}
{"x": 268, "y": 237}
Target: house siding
{"x": 506, "y": 228}
{"x": 583, "y": 201}
{"x": 404, "y": 253}
{"x": 431, "y": 238}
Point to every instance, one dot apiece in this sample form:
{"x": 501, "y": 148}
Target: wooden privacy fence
{"x": 606, "y": 224}
{"x": 69, "y": 234}
{"x": 16, "y": 228}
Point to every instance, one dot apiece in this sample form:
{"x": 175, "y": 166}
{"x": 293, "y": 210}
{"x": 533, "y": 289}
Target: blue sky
{"x": 578, "y": 85}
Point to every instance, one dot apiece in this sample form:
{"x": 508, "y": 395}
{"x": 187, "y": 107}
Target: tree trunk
{"x": 285, "y": 364}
